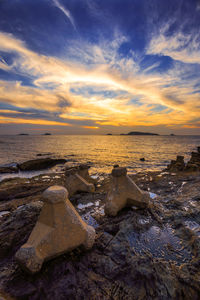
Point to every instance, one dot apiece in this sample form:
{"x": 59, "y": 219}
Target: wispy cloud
{"x": 180, "y": 46}
{"x": 54, "y": 79}
{"x": 66, "y": 12}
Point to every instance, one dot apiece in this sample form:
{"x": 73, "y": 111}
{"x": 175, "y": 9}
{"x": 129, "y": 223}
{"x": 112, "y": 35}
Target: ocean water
{"x": 101, "y": 151}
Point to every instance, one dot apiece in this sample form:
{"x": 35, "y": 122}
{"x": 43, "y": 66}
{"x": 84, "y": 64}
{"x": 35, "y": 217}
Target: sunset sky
{"x": 99, "y": 66}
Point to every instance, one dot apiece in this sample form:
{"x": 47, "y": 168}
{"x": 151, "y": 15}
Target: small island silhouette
{"x": 139, "y": 133}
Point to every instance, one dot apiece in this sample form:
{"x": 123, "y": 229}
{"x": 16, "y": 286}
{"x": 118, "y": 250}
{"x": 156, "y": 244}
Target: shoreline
{"x": 159, "y": 245}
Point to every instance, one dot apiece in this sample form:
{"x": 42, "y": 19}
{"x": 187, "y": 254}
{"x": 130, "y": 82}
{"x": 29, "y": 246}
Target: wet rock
{"x": 142, "y": 159}
{"x": 39, "y": 164}
{"x": 116, "y": 166}
{"x": 126, "y": 260}
{"x": 16, "y": 229}
{"x": 44, "y": 154}
{"x": 194, "y": 162}
{"x": 58, "y": 230}
{"x": 177, "y": 165}
{"x": 9, "y": 168}
{"x": 124, "y": 192}
{"x": 17, "y": 188}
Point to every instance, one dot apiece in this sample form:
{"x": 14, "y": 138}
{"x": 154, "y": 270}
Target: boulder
{"x": 124, "y": 192}
{"x": 59, "y": 229}
{"x": 39, "y": 164}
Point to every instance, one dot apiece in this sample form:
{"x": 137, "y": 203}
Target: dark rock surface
{"x": 9, "y": 168}
{"x": 193, "y": 165}
{"x": 194, "y": 162}
{"x": 39, "y": 164}
{"x": 150, "y": 253}
{"x": 177, "y": 165}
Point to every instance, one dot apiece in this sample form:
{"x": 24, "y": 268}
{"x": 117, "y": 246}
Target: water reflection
{"x": 102, "y": 151}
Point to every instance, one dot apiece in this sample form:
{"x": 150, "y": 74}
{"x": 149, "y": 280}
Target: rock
{"x": 116, "y": 166}
{"x": 124, "y": 192}
{"x": 125, "y": 261}
{"x": 194, "y": 162}
{"x": 17, "y": 227}
{"x": 44, "y": 154}
{"x": 9, "y": 168}
{"x": 39, "y": 164}
{"x": 142, "y": 159}
{"x": 17, "y": 188}
{"x": 177, "y": 165}
{"x": 198, "y": 149}
{"x": 59, "y": 229}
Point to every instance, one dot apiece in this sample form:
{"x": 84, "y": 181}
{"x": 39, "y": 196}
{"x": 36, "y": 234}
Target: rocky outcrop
{"x": 177, "y": 165}
{"x": 194, "y": 162}
{"x": 58, "y": 230}
{"x": 16, "y": 229}
{"x": 134, "y": 256}
{"x": 39, "y": 164}
{"x": 9, "y": 168}
{"x": 124, "y": 192}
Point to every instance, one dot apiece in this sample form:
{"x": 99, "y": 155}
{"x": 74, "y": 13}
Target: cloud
{"x": 66, "y": 12}
{"x": 181, "y": 46}
{"x": 93, "y": 86}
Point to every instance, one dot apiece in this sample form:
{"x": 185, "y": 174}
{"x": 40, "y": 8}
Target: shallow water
{"x": 102, "y": 151}
{"x": 162, "y": 243}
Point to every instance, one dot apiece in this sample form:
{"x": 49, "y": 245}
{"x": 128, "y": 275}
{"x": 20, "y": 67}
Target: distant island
{"x": 47, "y": 133}
{"x": 109, "y": 133}
{"x": 139, "y": 133}
{"x": 23, "y": 134}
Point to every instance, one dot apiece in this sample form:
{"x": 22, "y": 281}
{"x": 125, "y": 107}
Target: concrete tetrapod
{"x": 77, "y": 180}
{"x": 124, "y": 192}
{"x": 59, "y": 229}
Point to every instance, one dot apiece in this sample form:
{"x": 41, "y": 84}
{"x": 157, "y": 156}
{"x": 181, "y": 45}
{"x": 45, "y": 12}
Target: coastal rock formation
{"x": 9, "y": 168}
{"x": 148, "y": 253}
{"x": 194, "y": 162}
{"x": 192, "y": 165}
{"x": 78, "y": 179}
{"x": 124, "y": 192}
{"x": 59, "y": 229}
{"x": 38, "y": 164}
{"x": 177, "y": 165}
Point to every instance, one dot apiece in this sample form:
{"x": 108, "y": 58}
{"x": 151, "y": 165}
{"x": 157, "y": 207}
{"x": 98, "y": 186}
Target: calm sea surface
{"x": 102, "y": 151}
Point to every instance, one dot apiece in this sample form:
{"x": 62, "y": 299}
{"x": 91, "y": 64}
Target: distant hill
{"x": 141, "y": 133}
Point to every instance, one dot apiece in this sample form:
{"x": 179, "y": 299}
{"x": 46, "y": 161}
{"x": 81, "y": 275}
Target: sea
{"x": 101, "y": 151}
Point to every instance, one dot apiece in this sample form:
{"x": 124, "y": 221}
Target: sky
{"x": 99, "y": 66}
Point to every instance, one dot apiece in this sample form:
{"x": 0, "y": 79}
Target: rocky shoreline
{"x": 149, "y": 253}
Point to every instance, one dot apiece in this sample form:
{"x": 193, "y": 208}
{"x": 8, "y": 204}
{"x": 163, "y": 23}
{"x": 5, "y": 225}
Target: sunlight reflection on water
{"x": 102, "y": 151}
